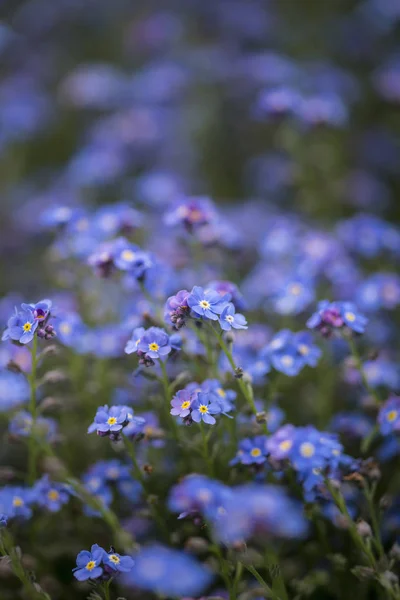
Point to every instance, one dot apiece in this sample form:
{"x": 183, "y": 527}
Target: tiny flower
{"x": 21, "y": 327}
{"x": 109, "y": 420}
{"x": 332, "y": 316}
{"x": 154, "y": 343}
{"x": 181, "y": 403}
{"x": 132, "y": 344}
{"x": 176, "y": 309}
{"x": 3, "y": 520}
{"x": 389, "y": 416}
{"x": 132, "y": 259}
{"x": 117, "y": 562}
{"x": 207, "y": 303}
{"x": 41, "y": 310}
{"x": 51, "y": 495}
{"x": 204, "y": 407}
{"x": 88, "y": 563}
{"x": 251, "y": 451}
{"x": 230, "y": 319}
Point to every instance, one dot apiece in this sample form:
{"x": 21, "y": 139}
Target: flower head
{"x": 204, "y": 407}
{"x": 389, "y": 416}
{"x": 88, "y": 563}
{"x": 207, "y": 303}
{"x": 109, "y": 420}
{"x": 116, "y": 562}
{"x": 229, "y": 319}
{"x": 332, "y": 316}
{"x": 154, "y": 343}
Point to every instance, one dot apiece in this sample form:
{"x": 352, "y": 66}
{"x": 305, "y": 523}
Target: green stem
{"x": 32, "y": 449}
{"x": 262, "y": 582}
{"x": 138, "y": 473}
{"x": 121, "y": 537}
{"x": 8, "y": 548}
{"x": 206, "y": 453}
{"x": 106, "y": 589}
{"x": 167, "y": 398}
{"x": 357, "y": 359}
{"x": 353, "y": 531}
{"x": 369, "y": 494}
{"x": 245, "y": 388}
{"x": 223, "y": 565}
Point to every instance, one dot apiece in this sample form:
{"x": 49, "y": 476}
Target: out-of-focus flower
{"x": 168, "y": 572}
{"x": 389, "y": 416}
{"x": 332, "y": 316}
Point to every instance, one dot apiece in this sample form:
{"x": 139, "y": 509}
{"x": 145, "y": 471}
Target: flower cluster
{"x": 99, "y": 564}
{"x": 201, "y": 402}
{"x": 332, "y": 316}
{"x": 31, "y": 319}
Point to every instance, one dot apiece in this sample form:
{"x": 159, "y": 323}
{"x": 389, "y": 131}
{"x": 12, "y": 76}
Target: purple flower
{"x": 230, "y": 319}
{"x": 181, "y": 403}
{"x": 204, "y": 407}
{"x": 192, "y": 213}
{"x": 154, "y": 343}
{"x": 207, "y": 303}
{"x": 88, "y": 563}
{"x": 132, "y": 344}
{"x": 176, "y": 309}
{"x": 109, "y": 420}
{"x": 336, "y": 315}
{"x": 41, "y": 310}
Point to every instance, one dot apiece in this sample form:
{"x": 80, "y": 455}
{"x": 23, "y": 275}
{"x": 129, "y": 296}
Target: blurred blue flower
{"x": 168, "y": 572}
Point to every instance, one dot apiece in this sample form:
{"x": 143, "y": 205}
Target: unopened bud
{"x": 364, "y": 529}
{"x": 363, "y": 573}
{"x": 385, "y": 502}
{"x": 261, "y": 417}
{"x": 148, "y": 469}
{"x": 197, "y": 545}
{"x": 230, "y": 337}
{"x": 239, "y": 372}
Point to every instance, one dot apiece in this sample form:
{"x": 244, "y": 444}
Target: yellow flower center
{"x": 349, "y": 316}
{"x": 296, "y": 289}
{"x": 153, "y": 347}
{"x": 65, "y": 328}
{"x": 256, "y": 452}
{"x": 204, "y": 304}
{"x": 90, "y": 565}
{"x": 203, "y": 409}
{"x": 17, "y": 501}
{"x": 303, "y": 349}
{"x": 391, "y": 416}
{"x": 221, "y": 392}
{"x": 114, "y": 559}
{"x": 307, "y": 450}
{"x": 27, "y": 327}
{"x": 285, "y": 445}
{"x": 195, "y": 215}
{"x": 287, "y": 361}
{"x": 185, "y": 404}
{"x": 128, "y": 255}
{"x": 111, "y": 420}
{"x": 53, "y": 495}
